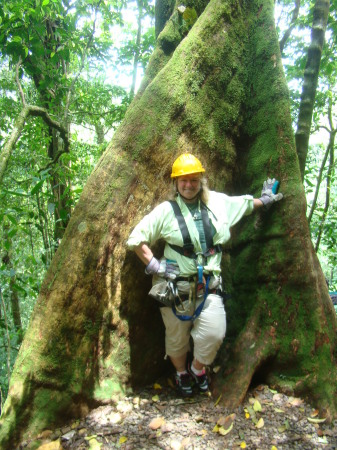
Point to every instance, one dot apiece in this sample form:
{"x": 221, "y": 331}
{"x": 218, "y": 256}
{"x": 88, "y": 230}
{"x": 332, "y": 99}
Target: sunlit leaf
{"x": 279, "y": 410}
{"x": 314, "y": 420}
{"x": 223, "y": 431}
{"x": 155, "y": 398}
{"x": 94, "y": 444}
{"x": 257, "y": 406}
{"x": 122, "y": 439}
{"x": 260, "y": 423}
{"x": 218, "y": 400}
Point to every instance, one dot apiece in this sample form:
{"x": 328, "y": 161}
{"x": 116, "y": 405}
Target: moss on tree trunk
{"x": 221, "y": 94}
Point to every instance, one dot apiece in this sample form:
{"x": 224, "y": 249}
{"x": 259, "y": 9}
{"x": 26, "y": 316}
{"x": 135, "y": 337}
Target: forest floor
{"x": 155, "y": 418}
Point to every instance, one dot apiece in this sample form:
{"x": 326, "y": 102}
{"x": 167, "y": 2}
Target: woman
{"x": 187, "y": 280}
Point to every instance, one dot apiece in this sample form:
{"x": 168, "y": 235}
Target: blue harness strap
{"x": 198, "y": 309}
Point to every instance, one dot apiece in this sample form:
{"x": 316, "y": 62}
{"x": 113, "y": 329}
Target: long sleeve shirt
{"x": 224, "y": 212}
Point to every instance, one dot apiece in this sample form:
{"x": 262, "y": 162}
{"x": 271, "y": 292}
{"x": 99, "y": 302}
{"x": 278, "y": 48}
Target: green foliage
{"x": 65, "y": 54}
{"x": 324, "y": 119}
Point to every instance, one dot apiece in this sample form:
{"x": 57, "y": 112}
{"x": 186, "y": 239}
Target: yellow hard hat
{"x": 186, "y": 164}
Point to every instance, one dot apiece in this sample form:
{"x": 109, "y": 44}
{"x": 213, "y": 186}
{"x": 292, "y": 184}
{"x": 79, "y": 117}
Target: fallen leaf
{"x": 54, "y": 445}
{"x": 313, "y": 420}
{"x": 257, "y": 406}
{"x": 279, "y": 410}
{"x": 226, "y": 422}
{"x": 88, "y": 438}
{"x": 273, "y": 447}
{"x": 284, "y": 427}
{"x": 243, "y": 445}
{"x": 157, "y": 386}
{"x": 296, "y": 402}
{"x": 156, "y": 423}
{"x": 216, "y": 429}
{"x": 155, "y": 398}
{"x": 122, "y": 439}
{"x": 251, "y": 412}
{"x": 260, "y": 423}
{"x": 218, "y": 400}
{"x": 216, "y": 369}
{"x": 224, "y": 431}
{"x": 94, "y": 444}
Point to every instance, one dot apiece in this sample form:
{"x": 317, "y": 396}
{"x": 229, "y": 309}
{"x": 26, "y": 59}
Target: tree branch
{"x": 288, "y": 32}
{"x": 22, "y": 95}
{"x": 35, "y": 111}
{"x": 84, "y": 55}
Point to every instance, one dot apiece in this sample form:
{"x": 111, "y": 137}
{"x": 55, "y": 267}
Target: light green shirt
{"x": 161, "y": 223}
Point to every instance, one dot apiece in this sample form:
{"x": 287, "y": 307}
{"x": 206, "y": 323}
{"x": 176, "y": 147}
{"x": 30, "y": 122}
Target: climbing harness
{"x": 188, "y": 250}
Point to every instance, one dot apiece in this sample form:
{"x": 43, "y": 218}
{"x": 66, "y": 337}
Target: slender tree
{"x": 311, "y": 71}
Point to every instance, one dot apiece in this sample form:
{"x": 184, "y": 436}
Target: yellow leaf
{"x": 155, "y": 398}
{"x": 279, "y": 410}
{"x": 157, "y": 386}
{"x": 54, "y": 445}
{"x": 260, "y": 423}
{"x": 94, "y": 444}
{"x": 87, "y": 438}
{"x": 312, "y": 420}
{"x": 224, "y": 431}
{"x": 218, "y": 400}
{"x": 243, "y": 444}
{"x": 257, "y": 406}
{"x": 273, "y": 447}
{"x": 216, "y": 369}
{"x": 216, "y": 429}
{"x": 122, "y": 439}
{"x": 247, "y": 415}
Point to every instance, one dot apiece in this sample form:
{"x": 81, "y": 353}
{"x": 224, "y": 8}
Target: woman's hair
{"x": 203, "y": 193}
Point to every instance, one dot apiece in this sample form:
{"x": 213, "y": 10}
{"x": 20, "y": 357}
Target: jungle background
{"x": 72, "y": 69}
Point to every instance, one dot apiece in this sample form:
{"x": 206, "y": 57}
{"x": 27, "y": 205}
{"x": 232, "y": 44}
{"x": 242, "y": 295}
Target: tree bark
{"x": 310, "y": 80}
{"x": 222, "y": 95}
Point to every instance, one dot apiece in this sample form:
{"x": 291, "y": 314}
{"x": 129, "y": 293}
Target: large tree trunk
{"x": 221, "y": 94}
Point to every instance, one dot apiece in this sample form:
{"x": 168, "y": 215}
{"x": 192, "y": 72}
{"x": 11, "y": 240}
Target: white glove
{"x": 153, "y": 266}
{"x": 267, "y": 195}
{"x": 169, "y": 269}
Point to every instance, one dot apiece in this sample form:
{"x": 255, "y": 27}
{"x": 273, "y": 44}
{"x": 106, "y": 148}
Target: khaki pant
{"x": 207, "y": 331}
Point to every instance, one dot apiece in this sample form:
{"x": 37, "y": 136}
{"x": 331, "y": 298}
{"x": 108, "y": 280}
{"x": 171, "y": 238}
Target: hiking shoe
{"x": 200, "y": 380}
{"x": 184, "y": 384}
